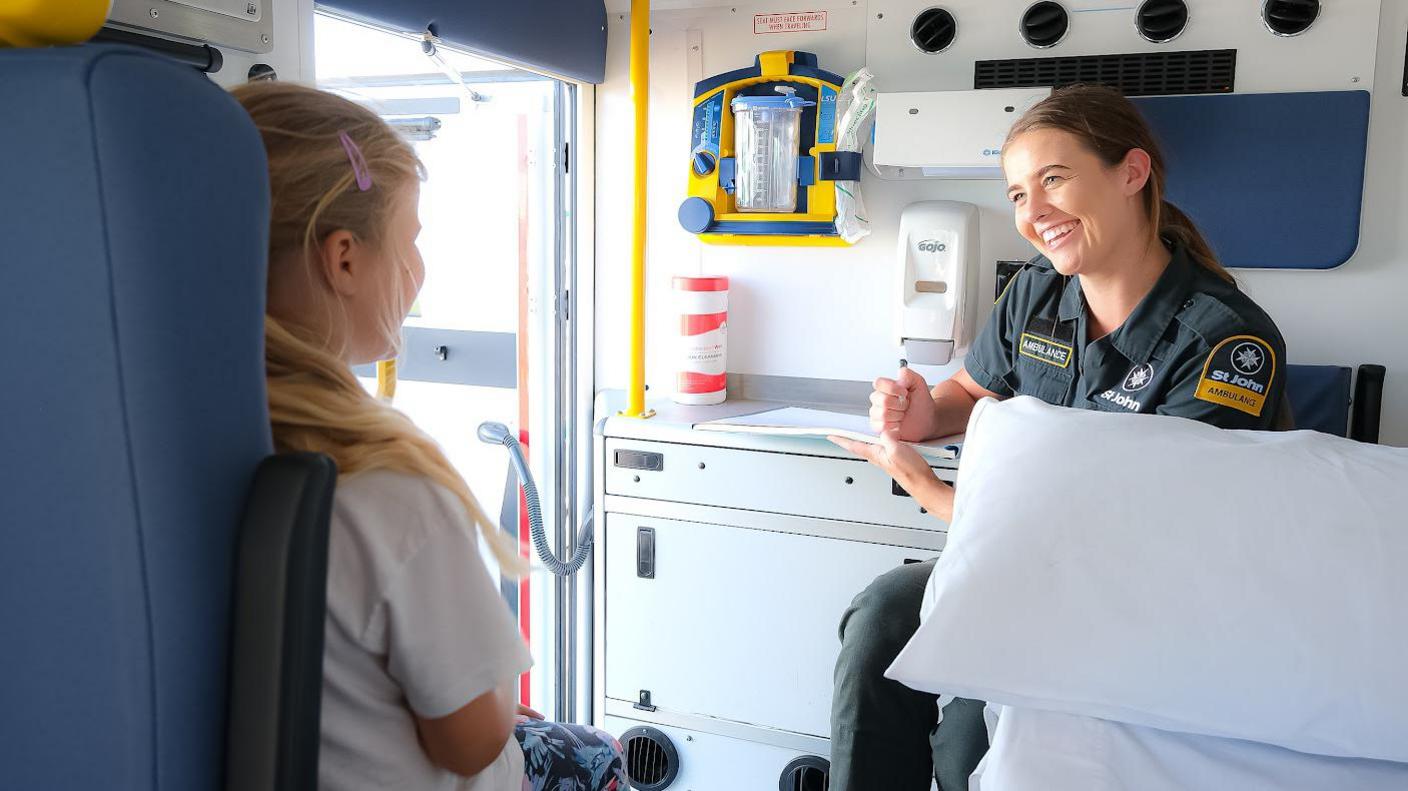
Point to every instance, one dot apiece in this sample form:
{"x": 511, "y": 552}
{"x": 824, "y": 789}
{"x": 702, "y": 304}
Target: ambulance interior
{"x": 670, "y": 245}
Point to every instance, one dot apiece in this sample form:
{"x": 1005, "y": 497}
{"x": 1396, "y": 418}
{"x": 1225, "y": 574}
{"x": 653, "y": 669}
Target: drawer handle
{"x": 645, "y": 553}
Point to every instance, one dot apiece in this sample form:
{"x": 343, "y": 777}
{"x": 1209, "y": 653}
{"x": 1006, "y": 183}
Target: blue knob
{"x": 696, "y": 215}
{"x": 703, "y": 163}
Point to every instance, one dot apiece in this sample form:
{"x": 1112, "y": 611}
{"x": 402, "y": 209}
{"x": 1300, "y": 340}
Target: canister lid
{"x": 786, "y": 100}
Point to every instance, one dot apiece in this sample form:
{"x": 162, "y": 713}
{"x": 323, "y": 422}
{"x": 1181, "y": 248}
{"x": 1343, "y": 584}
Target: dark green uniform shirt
{"x": 1195, "y": 347}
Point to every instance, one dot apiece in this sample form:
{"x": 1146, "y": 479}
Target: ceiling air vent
{"x": 933, "y": 30}
{"x": 652, "y": 763}
{"x": 1044, "y": 24}
{"x": 1289, "y": 17}
{"x": 1159, "y": 73}
{"x": 1160, "y": 21}
{"x": 806, "y": 773}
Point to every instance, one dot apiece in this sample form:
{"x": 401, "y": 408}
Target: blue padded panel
{"x": 133, "y": 231}
{"x": 1319, "y": 397}
{"x": 562, "y": 37}
{"x": 1274, "y": 180}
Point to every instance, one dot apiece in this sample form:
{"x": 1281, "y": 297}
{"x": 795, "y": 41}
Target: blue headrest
{"x": 134, "y": 217}
{"x": 1320, "y": 397}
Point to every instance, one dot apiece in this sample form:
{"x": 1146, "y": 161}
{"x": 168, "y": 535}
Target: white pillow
{"x": 1158, "y": 571}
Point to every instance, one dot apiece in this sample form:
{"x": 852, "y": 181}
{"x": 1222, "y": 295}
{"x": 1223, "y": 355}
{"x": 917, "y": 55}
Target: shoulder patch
{"x": 1238, "y": 374}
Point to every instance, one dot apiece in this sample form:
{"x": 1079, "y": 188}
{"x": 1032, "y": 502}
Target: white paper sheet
{"x": 800, "y": 422}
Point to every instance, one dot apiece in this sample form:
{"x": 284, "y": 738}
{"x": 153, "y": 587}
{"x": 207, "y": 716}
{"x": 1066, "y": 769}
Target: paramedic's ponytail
{"x": 315, "y": 402}
{"x": 1177, "y": 228}
{"x": 1110, "y": 126}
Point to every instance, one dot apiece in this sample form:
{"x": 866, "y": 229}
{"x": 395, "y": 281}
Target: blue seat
{"x": 133, "y": 232}
{"x": 1321, "y": 399}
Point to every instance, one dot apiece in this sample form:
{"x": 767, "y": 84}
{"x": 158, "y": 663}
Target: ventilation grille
{"x": 1045, "y": 24}
{"x": 1161, "y": 21}
{"x": 1290, "y": 17}
{"x": 933, "y": 30}
{"x": 651, "y": 760}
{"x": 806, "y": 773}
{"x": 1136, "y": 74}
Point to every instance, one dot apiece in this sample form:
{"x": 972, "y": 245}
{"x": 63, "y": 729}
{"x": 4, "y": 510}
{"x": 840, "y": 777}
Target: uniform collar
{"x": 1072, "y": 300}
{"x": 1139, "y": 333}
{"x": 1137, "y": 337}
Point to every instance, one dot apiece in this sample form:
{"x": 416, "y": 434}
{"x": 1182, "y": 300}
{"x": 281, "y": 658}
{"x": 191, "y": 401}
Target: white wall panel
{"x": 828, "y": 313}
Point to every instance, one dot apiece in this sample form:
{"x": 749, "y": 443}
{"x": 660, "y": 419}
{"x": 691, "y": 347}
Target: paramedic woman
{"x": 1125, "y": 309}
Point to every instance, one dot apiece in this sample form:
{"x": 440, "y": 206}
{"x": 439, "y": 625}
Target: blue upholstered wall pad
{"x": 1274, "y": 180}
{"x": 1319, "y": 397}
{"x": 563, "y": 37}
{"x": 133, "y": 231}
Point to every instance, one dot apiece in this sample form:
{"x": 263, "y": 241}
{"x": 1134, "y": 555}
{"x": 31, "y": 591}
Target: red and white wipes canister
{"x": 703, "y": 341}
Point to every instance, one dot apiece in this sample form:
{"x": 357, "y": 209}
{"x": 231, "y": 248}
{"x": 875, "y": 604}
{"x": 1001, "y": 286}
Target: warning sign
{"x": 795, "y": 22}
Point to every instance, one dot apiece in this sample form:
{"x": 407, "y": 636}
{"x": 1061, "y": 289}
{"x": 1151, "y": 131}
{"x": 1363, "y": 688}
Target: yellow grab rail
{"x": 640, "y": 98}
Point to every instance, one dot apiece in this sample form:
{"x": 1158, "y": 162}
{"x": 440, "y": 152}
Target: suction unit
{"x": 763, "y": 154}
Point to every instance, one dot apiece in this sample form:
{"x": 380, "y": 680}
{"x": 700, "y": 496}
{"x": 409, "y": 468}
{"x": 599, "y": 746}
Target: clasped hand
{"x": 902, "y": 411}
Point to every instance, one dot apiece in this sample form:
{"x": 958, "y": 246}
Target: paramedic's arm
{"x": 468, "y": 740}
{"x": 909, "y": 469}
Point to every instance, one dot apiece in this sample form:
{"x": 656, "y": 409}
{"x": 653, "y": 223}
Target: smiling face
{"x": 1080, "y": 213}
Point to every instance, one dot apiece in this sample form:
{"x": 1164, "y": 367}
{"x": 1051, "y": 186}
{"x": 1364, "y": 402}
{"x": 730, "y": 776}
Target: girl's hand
{"x": 524, "y": 711}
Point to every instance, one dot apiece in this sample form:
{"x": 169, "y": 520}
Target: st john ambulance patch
{"x": 1238, "y": 374}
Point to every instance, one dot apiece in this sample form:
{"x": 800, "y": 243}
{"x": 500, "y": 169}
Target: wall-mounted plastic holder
{"x": 753, "y": 129}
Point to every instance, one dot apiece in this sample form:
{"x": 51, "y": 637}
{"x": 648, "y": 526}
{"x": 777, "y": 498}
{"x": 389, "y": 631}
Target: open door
{"x": 491, "y": 336}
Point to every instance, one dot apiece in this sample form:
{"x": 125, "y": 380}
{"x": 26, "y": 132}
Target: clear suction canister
{"x": 766, "y": 132}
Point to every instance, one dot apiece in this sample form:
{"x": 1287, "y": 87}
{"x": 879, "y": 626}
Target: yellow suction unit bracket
{"x": 711, "y": 210}
{"x": 44, "y": 23}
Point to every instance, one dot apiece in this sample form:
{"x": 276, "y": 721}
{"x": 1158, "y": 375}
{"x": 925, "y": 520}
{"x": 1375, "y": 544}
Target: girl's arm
{"x": 467, "y": 741}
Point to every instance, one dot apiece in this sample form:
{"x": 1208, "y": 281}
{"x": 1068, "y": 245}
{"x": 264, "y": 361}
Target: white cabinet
{"x": 723, "y": 565}
{"x": 735, "y": 623}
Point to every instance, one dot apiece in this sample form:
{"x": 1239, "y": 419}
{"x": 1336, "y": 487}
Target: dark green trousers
{"x": 884, "y": 735}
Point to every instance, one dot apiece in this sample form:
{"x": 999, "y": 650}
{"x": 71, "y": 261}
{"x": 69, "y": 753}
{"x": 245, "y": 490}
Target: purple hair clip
{"x": 359, "y": 164}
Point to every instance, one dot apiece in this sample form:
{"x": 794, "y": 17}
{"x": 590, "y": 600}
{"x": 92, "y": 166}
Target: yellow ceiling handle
{"x": 386, "y": 380}
{"x": 44, "y": 23}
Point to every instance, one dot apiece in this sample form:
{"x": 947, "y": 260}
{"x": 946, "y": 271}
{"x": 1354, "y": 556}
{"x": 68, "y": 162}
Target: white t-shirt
{"x": 415, "y": 623}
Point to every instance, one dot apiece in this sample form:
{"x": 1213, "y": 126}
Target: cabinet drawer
{"x": 784, "y": 483}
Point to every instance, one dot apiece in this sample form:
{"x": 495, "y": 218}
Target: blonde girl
{"x": 421, "y": 656}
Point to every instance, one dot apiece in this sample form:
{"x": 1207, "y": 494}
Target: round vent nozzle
{"x": 1289, "y": 17}
{"x": 806, "y": 773}
{"x": 933, "y": 30}
{"x": 652, "y": 763}
{"x": 1044, "y": 24}
{"x": 1161, "y": 21}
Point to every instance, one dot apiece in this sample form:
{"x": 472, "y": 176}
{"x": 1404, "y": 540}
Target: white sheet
{"x": 1046, "y": 751}
{"x": 802, "y": 422}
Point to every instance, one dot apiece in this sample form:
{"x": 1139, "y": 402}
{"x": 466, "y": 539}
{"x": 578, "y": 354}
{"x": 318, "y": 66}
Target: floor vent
{"x": 806, "y": 773}
{"x": 652, "y": 762}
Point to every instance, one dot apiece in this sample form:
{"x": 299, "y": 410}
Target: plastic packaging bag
{"x": 858, "y": 100}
